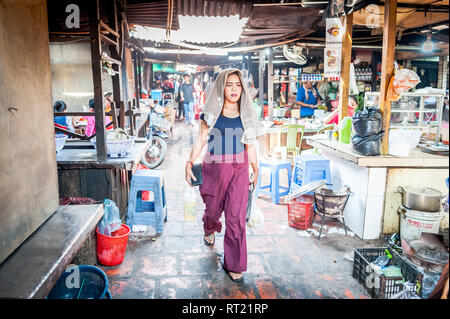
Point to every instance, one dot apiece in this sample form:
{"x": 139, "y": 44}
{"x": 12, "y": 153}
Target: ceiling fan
{"x": 294, "y": 54}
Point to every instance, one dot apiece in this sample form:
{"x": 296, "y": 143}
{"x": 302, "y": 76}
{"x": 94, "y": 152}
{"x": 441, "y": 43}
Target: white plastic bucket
{"x": 413, "y": 223}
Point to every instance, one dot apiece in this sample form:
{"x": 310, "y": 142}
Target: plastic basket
{"x": 378, "y": 285}
{"x": 300, "y": 212}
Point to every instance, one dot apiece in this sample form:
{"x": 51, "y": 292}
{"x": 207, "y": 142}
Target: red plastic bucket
{"x": 111, "y": 249}
{"x": 300, "y": 212}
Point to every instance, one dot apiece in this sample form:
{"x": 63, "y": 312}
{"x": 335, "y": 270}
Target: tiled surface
{"x": 281, "y": 262}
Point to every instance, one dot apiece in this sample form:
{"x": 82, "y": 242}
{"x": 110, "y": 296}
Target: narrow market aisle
{"x": 282, "y": 261}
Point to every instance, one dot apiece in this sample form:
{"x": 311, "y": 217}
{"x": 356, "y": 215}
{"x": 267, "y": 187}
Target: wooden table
{"x": 271, "y": 137}
{"x": 81, "y": 175}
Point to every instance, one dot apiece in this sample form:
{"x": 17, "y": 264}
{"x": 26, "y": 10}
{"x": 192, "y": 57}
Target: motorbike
{"x": 157, "y": 151}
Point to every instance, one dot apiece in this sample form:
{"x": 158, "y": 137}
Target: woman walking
{"x": 230, "y": 126}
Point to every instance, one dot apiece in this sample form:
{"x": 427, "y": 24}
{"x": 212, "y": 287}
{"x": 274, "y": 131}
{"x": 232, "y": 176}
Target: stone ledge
{"x": 33, "y": 268}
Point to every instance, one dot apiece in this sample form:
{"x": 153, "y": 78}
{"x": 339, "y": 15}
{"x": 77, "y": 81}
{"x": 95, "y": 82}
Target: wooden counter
{"x": 81, "y": 175}
{"x": 83, "y": 155}
{"x": 374, "y": 180}
{"x": 417, "y": 158}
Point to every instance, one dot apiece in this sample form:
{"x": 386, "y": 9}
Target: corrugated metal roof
{"x": 214, "y": 8}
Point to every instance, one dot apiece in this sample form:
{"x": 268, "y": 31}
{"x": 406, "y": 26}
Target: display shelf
{"x": 413, "y": 110}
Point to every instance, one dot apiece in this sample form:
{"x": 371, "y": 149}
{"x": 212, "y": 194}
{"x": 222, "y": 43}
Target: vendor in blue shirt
{"x": 308, "y": 99}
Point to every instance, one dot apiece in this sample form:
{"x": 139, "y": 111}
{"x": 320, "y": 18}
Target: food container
{"x": 423, "y": 199}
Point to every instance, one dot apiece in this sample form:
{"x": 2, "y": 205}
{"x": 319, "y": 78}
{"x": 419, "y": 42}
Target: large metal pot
{"x": 424, "y": 199}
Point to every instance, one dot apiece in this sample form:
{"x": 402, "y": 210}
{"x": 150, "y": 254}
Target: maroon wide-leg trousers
{"x": 225, "y": 189}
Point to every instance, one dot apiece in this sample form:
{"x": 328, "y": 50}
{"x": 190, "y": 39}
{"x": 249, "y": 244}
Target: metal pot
{"x": 424, "y": 199}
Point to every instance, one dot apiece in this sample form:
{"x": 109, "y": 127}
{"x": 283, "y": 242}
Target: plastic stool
{"x": 150, "y": 213}
{"x": 308, "y": 168}
{"x": 274, "y": 187}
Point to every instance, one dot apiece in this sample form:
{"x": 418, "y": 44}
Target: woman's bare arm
{"x": 253, "y": 159}
{"x": 197, "y": 148}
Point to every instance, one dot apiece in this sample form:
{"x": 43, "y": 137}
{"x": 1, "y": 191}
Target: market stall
{"x": 373, "y": 210}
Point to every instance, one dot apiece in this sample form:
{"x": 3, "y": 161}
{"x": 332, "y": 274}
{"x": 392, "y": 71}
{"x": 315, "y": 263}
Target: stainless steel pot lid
{"x": 423, "y": 191}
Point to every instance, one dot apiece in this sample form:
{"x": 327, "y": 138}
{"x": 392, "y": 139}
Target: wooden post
{"x": 130, "y": 117}
{"x": 261, "y": 81}
{"x": 346, "y": 54}
{"x": 97, "y": 79}
{"x": 138, "y": 70}
{"x": 270, "y": 84}
{"x": 115, "y": 54}
{"x": 114, "y": 114}
{"x": 387, "y": 67}
{"x": 135, "y": 73}
{"x": 122, "y": 114}
{"x": 443, "y": 72}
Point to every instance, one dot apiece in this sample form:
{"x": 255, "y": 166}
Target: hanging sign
{"x": 333, "y": 47}
{"x": 332, "y": 62}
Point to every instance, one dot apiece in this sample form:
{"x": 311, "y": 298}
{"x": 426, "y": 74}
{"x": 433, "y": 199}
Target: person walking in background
{"x": 187, "y": 98}
{"x": 230, "y": 127}
{"x": 210, "y": 85}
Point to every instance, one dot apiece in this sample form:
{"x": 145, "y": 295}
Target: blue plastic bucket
{"x": 81, "y": 282}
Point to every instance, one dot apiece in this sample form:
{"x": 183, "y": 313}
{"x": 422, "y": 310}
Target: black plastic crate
{"x": 380, "y": 286}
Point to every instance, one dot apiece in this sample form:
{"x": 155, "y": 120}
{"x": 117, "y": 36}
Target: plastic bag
{"x": 256, "y": 218}
{"x": 190, "y": 203}
{"x": 368, "y": 145}
{"x": 111, "y": 218}
{"x": 367, "y": 122}
{"x": 402, "y": 142}
{"x": 402, "y": 81}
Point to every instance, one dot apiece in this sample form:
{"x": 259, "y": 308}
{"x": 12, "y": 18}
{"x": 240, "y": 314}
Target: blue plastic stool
{"x": 150, "y": 213}
{"x": 274, "y": 187}
{"x": 308, "y": 168}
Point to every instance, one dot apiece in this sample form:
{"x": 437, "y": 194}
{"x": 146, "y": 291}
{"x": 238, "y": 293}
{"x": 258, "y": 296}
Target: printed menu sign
{"x": 333, "y": 48}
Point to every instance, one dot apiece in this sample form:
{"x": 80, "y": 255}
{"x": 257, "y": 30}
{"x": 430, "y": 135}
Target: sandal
{"x": 209, "y": 237}
{"x": 231, "y": 277}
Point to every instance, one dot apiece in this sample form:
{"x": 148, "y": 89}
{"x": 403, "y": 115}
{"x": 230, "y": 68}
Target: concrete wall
{"x": 434, "y": 178}
{"x": 28, "y": 173}
{"x": 72, "y": 74}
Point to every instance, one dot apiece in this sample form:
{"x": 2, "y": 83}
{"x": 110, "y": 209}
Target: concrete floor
{"x": 282, "y": 262}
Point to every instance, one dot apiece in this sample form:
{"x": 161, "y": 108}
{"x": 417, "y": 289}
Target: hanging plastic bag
{"x": 111, "y": 218}
{"x": 190, "y": 204}
{"x": 256, "y": 218}
{"x": 402, "y": 81}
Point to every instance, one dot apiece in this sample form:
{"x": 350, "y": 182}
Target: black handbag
{"x": 197, "y": 171}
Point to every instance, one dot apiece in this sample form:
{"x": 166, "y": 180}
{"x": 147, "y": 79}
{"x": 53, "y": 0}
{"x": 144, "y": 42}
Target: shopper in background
{"x": 209, "y": 86}
{"x": 308, "y": 99}
{"x": 90, "y": 121}
{"x": 187, "y": 98}
{"x": 64, "y": 122}
{"x": 333, "y": 117}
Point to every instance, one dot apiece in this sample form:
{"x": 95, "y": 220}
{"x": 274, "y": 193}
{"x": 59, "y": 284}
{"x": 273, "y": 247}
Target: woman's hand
{"x": 254, "y": 177}
{"x": 188, "y": 173}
